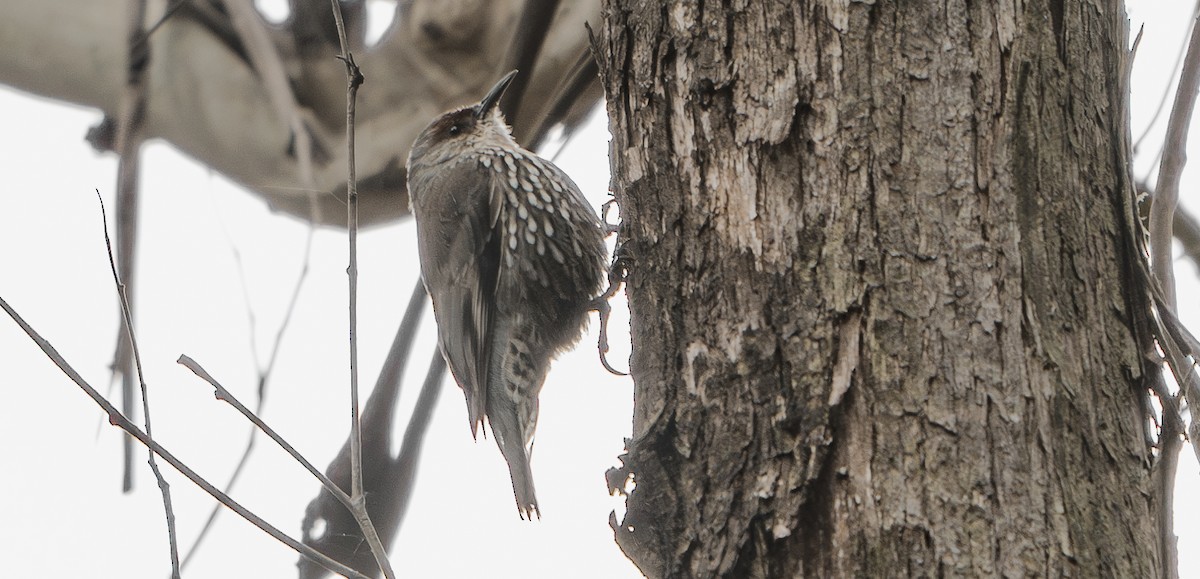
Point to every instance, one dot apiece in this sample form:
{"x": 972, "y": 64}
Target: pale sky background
{"x": 61, "y": 510}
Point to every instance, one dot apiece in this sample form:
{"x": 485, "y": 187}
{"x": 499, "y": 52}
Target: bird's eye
{"x": 455, "y": 129}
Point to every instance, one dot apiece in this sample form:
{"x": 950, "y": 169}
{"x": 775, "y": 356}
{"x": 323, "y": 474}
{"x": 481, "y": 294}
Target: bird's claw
{"x": 616, "y": 277}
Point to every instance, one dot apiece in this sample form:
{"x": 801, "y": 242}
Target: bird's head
{"x": 457, "y": 131}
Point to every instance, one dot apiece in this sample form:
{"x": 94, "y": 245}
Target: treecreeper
{"x": 513, "y": 257}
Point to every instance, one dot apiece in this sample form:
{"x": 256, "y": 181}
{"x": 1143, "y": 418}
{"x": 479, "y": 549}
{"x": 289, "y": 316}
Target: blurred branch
{"x": 1184, "y": 226}
{"x": 1162, "y": 217}
{"x": 386, "y": 481}
{"x": 523, "y": 51}
{"x": 266, "y": 59}
{"x": 580, "y": 79}
{"x": 119, "y": 420}
{"x": 130, "y": 117}
{"x": 1173, "y": 161}
{"x": 1177, "y": 344}
{"x": 207, "y": 101}
{"x": 404, "y": 469}
{"x": 269, "y": 65}
{"x": 315, "y": 33}
{"x": 1187, "y": 232}
{"x": 172, "y": 8}
{"x": 211, "y": 15}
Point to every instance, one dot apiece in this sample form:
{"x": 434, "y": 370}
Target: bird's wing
{"x": 460, "y": 259}
{"x": 581, "y": 245}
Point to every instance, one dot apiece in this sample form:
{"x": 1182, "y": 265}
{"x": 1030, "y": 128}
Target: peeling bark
{"x": 879, "y": 322}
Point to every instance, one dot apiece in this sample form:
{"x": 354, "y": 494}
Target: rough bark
{"x": 208, "y": 101}
{"x": 879, "y": 321}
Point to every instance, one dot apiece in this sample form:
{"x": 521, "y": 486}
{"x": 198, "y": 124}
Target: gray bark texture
{"x": 880, "y": 319}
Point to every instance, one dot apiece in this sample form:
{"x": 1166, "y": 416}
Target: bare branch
{"x": 225, "y": 396}
{"x": 1163, "y": 478}
{"x": 268, "y": 62}
{"x": 119, "y": 420}
{"x": 1184, "y": 226}
{"x": 354, "y": 80}
{"x": 386, "y": 480}
{"x": 1174, "y": 158}
{"x": 527, "y": 41}
{"x": 1162, "y": 213}
{"x": 127, "y": 316}
{"x": 264, "y": 375}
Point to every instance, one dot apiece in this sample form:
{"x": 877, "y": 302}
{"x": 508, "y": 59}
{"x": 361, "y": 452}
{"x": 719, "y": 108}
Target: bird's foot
{"x": 617, "y": 272}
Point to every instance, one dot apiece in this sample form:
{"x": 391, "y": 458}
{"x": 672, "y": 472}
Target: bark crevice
{"x": 787, "y": 172}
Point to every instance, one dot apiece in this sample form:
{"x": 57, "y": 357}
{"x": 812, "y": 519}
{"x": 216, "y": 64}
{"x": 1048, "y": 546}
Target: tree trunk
{"x": 880, "y": 321}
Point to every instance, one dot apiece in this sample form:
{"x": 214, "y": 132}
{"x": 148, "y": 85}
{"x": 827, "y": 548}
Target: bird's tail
{"x": 511, "y": 440}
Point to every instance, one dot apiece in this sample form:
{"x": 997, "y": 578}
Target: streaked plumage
{"x": 512, "y": 255}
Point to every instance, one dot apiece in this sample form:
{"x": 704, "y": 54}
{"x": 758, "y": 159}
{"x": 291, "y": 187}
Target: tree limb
{"x": 119, "y": 420}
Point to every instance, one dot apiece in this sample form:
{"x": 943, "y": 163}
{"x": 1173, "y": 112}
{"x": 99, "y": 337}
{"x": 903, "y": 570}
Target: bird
{"x": 513, "y": 257}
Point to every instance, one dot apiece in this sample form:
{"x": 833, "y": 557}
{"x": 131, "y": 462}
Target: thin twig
{"x": 163, "y": 487}
{"x": 387, "y": 482}
{"x": 225, "y": 396}
{"x": 354, "y": 80}
{"x": 267, "y": 62}
{"x": 264, "y": 375}
{"x": 119, "y": 420}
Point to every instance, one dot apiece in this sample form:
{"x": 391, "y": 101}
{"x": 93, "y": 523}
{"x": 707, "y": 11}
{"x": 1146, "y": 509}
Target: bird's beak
{"x": 493, "y": 96}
